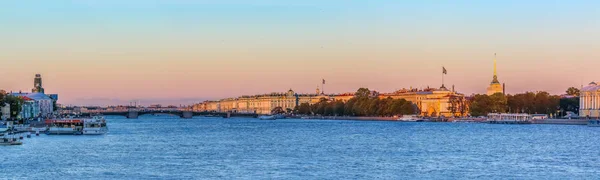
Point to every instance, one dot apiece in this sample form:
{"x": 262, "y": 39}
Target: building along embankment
{"x": 346, "y": 118}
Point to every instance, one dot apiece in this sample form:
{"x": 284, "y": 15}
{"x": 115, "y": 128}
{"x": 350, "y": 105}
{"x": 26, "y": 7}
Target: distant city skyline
{"x": 181, "y": 52}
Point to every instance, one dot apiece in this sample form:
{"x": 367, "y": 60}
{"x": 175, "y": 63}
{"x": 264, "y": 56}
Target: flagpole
{"x": 322, "y": 86}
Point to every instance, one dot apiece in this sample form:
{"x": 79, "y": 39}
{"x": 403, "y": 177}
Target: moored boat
{"x": 410, "y": 118}
{"x": 505, "y": 118}
{"x": 64, "y": 126}
{"x": 8, "y": 136}
{"x": 10, "y": 142}
{"x": 267, "y": 117}
{"x": 94, "y": 126}
{"x": 90, "y": 126}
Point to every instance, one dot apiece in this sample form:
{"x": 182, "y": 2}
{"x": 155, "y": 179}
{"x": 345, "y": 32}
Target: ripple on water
{"x": 164, "y": 147}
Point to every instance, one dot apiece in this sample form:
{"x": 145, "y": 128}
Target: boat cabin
{"x": 68, "y": 123}
{"x": 508, "y": 117}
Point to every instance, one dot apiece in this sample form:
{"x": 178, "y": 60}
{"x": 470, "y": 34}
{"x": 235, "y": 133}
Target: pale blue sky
{"x": 209, "y": 49}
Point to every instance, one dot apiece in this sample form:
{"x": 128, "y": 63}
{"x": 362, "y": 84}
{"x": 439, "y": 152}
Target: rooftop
{"x": 591, "y": 87}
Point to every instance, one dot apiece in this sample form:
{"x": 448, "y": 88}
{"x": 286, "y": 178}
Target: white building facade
{"x": 589, "y": 101}
{"x": 43, "y": 105}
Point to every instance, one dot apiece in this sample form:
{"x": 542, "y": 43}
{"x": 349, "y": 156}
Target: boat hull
{"x": 267, "y": 118}
{"x": 94, "y": 131}
{"x": 508, "y": 122}
{"x": 62, "y": 131}
{"x": 9, "y": 142}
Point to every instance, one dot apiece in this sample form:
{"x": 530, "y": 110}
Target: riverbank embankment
{"x": 351, "y": 118}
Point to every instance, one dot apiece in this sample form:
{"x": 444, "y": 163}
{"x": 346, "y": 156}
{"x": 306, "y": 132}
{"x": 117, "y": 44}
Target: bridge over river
{"x": 134, "y": 114}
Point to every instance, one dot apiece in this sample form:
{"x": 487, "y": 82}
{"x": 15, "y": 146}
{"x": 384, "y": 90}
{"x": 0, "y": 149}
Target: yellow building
{"x": 495, "y": 86}
{"x": 589, "y": 100}
{"x": 260, "y": 104}
{"x": 433, "y": 102}
{"x": 429, "y": 102}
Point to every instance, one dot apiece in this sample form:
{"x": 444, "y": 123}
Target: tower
{"x": 495, "y": 86}
{"x": 495, "y": 80}
{"x": 318, "y": 91}
{"x": 37, "y": 84}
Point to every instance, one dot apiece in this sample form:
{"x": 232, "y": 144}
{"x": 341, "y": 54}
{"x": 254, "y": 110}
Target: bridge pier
{"x": 132, "y": 115}
{"x": 187, "y": 114}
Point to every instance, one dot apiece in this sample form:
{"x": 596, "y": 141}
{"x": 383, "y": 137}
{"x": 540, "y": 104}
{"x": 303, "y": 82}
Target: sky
{"x": 101, "y": 52}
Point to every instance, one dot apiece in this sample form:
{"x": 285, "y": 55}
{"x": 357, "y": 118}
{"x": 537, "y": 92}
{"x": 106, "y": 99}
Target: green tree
{"x": 339, "y": 108}
{"x": 454, "y": 104}
{"x": 277, "y": 110}
{"x": 362, "y": 93}
{"x": 363, "y": 104}
{"x": 498, "y": 103}
{"x": 407, "y": 108}
{"x": 372, "y": 107}
{"x": 458, "y": 105}
{"x": 521, "y": 103}
{"x": 481, "y": 105}
{"x": 304, "y": 108}
{"x": 573, "y": 91}
{"x": 15, "y": 105}
{"x": 569, "y": 104}
{"x": 2, "y": 100}
{"x": 319, "y": 108}
{"x": 349, "y": 107}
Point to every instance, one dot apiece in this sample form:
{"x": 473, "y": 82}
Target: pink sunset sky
{"x": 180, "y": 52}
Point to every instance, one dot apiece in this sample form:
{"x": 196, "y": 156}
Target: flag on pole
{"x": 444, "y": 70}
{"x": 323, "y": 81}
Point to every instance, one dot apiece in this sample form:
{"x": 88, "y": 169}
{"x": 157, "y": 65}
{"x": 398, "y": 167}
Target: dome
{"x": 591, "y": 88}
{"x": 290, "y": 92}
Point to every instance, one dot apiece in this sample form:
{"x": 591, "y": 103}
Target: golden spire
{"x": 495, "y": 80}
{"x": 495, "y": 74}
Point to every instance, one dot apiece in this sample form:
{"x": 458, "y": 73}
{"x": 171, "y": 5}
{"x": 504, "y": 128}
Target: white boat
{"x": 505, "y": 118}
{"x": 5, "y": 141}
{"x": 94, "y": 126}
{"x": 9, "y": 140}
{"x": 267, "y": 117}
{"x": 90, "y": 126}
{"x": 410, "y": 118}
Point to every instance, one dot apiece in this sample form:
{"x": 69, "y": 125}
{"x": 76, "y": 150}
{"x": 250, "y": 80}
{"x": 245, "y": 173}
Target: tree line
{"x": 14, "y": 102}
{"x": 529, "y": 102}
{"x": 364, "y": 103}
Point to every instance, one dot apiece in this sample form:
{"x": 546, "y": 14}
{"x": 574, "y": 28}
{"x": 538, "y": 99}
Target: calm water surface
{"x": 164, "y": 147}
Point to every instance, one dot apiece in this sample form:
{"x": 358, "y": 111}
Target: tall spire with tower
{"x": 37, "y": 84}
{"x": 495, "y": 80}
{"x": 495, "y": 86}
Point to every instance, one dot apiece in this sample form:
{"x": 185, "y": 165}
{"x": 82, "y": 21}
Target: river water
{"x": 165, "y": 147}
